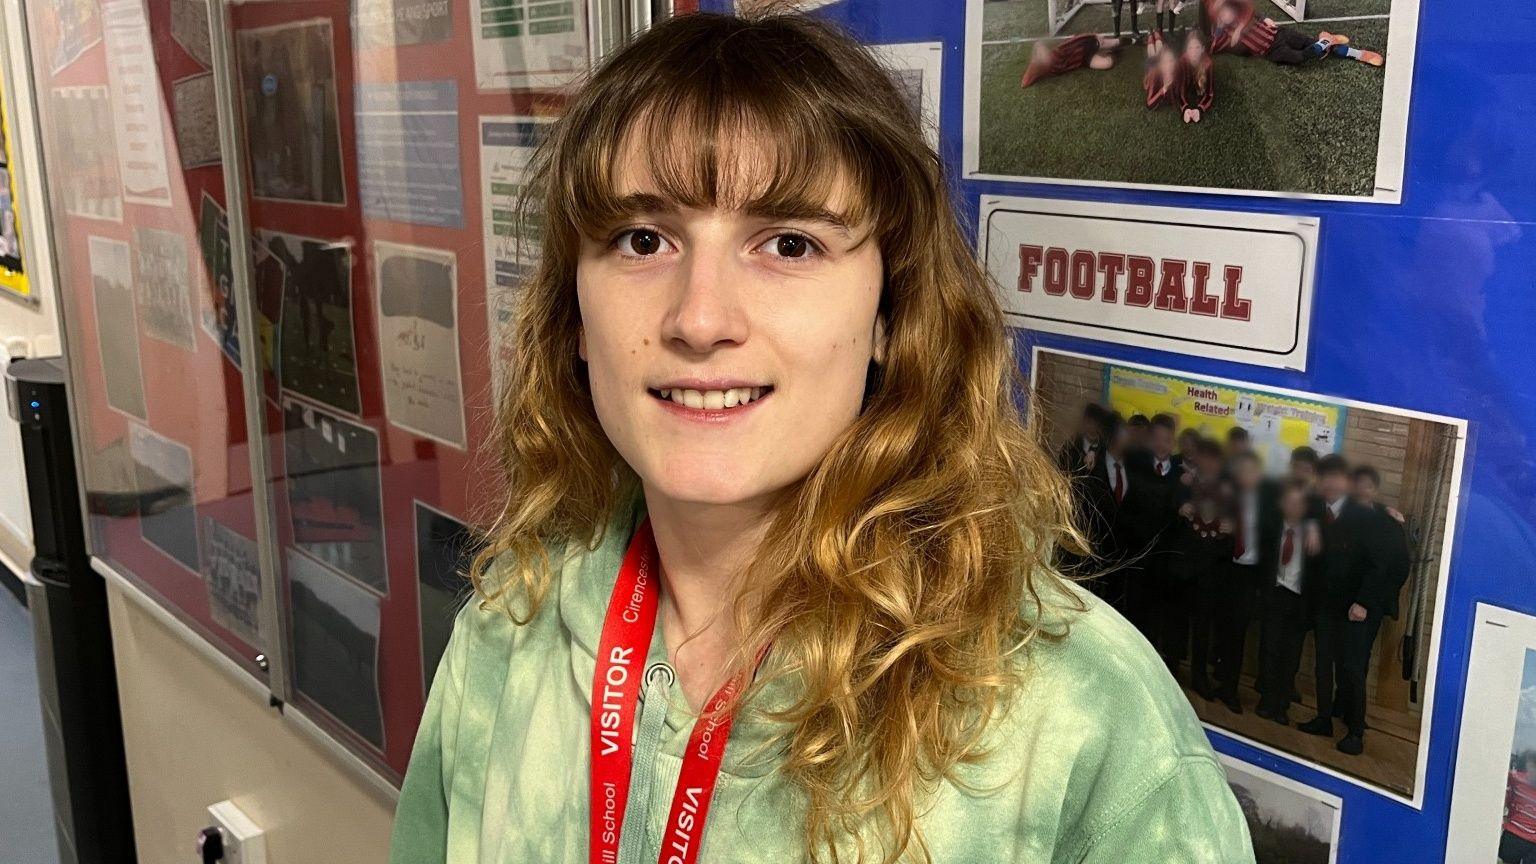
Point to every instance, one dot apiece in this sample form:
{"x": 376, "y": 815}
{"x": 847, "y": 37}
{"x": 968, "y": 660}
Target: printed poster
{"x": 117, "y": 334}
{"x": 381, "y": 23}
{"x": 445, "y": 548}
{"x": 167, "y": 506}
{"x": 70, "y": 28}
{"x": 1277, "y": 424}
{"x": 317, "y": 351}
{"x": 408, "y": 152}
{"x": 525, "y": 44}
{"x": 419, "y": 340}
{"x": 162, "y": 278}
{"x": 136, "y": 104}
{"x": 507, "y": 145}
{"x": 233, "y": 575}
{"x": 218, "y": 319}
{"x": 197, "y": 121}
{"x": 334, "y": 493}
{"x": 335, "y": 634}
{"x": 189, "y": 27}
{"x": 86, "y": 152}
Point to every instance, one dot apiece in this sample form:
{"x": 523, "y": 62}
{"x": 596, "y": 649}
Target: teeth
{"x": 713, "y": 399}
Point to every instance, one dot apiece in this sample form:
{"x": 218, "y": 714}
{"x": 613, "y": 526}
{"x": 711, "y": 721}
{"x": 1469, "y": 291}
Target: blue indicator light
{"x": 36, "y": 404}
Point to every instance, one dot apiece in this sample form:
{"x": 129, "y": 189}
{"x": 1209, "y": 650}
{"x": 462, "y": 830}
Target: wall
{"x": 25, "y": 330}
{"x": 226, "y": 743}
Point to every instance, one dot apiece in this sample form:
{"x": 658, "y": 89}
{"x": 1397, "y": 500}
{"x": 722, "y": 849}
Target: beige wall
{"x": 195, "y": 737}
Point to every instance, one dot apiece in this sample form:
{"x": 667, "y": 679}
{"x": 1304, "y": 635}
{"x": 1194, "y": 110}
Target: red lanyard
{"x": 616, "y": 685}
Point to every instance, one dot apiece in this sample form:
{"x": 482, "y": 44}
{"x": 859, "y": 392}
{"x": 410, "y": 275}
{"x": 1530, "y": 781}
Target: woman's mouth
{"x": 711, "y": 400}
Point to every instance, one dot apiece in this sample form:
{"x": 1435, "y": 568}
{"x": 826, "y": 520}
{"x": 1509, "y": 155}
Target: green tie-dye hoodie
{"x": 1099, "y": 759}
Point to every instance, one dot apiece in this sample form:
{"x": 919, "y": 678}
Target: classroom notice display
{"x": 13, "y": 276}
{"x": 218, "y": 318}
{"x": 1290, "y": 823}
{"x": 1220, "y": 284}
{"x": 1284, "y": 99}
{"x": 1285, "y": 552}
{"x": 1493, "y": 801}
{"x": 419, "y": 340}
{"x": 382, "y": 23}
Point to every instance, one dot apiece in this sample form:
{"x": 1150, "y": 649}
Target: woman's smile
{"x": 705, "y": 404}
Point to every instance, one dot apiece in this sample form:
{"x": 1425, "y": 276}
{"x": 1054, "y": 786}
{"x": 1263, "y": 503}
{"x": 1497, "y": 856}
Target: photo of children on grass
{"x": 1264, "y": 96}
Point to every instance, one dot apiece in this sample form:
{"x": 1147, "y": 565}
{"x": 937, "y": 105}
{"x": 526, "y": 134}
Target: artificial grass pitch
{"x": 1310, "y": 129}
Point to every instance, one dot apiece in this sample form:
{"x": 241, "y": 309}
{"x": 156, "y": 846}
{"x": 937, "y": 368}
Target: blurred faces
{"x": 1160, "y": 440}
{"x": 1247, "y": 472}
{"x": 1366, "y": 490}
{"x": 1333, "y": 484}
{"x": 1293, "y": 504}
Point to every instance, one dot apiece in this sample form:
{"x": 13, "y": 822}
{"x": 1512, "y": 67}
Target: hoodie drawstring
{"x": 659, "y": 678}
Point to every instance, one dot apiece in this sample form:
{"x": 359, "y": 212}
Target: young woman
{"x": 1197, "y": 85}
{"x": 773, "y": 578}
{"x": 1083, "y": 51}
{"x": 1238, "y": 29}
{"x": 1160, "y": 79}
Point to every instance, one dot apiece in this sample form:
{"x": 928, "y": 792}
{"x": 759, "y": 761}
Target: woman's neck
{"x": 703, "y": 549}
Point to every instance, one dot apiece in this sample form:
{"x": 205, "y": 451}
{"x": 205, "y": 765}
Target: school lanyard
{"x": 616, "y": 682}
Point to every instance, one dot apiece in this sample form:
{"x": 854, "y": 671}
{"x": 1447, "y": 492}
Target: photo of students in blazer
{"x": 1284, "y": 588}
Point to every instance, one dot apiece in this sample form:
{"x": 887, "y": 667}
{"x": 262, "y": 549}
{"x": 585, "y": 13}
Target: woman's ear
{"x": 878, "y": 343}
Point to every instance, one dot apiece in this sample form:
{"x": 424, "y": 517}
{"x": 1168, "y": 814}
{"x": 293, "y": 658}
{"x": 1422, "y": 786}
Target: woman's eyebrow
{"x": 802, "y": 212}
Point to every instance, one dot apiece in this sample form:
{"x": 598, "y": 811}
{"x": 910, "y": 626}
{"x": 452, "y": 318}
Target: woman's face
{"x": 689, "y": 313}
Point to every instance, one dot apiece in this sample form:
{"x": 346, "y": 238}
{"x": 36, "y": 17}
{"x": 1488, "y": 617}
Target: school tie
{"x": 1119, "y": 483}
{"x": 1288, "y": 548}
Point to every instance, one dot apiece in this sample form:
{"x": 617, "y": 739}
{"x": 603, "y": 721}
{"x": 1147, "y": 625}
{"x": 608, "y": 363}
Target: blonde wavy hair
{"x": 894, "y": 579}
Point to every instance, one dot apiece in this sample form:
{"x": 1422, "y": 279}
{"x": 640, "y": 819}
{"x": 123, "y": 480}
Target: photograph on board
{"x": 197, "y": 129}
{"x": 317, "y": 351}
{"x": 162, "y": 277}
{"x": 445, "y": 547}
{"x": 292, "y": 122}
{"x": 1290, "y": 822}
{"x": 419, "y": 340}
{"x": 234, "y": 580}
{"x": 85, "y": 150}
{"x": 218, "y": 316}
{"x": 334, "y": 492}
{"x": 918, "y": 70}
{"x": 334, "y": 628}
{"x": 167, "y": 503}
{"x": 117, "y": 336}
{"x": 1279, "y": 97}
{"x": 69, "y": 28}
{"x": 1493, "y": 801}
{"x": 1284, "y": 552}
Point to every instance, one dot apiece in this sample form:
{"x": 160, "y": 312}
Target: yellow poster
{"x": 1277, "y": 424}
{"x": 13, "y": 279}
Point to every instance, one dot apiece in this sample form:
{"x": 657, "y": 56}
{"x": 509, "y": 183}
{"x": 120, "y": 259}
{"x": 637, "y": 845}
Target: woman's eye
{"x": 640, "y": 242}
{"x": 790, "y": 246}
